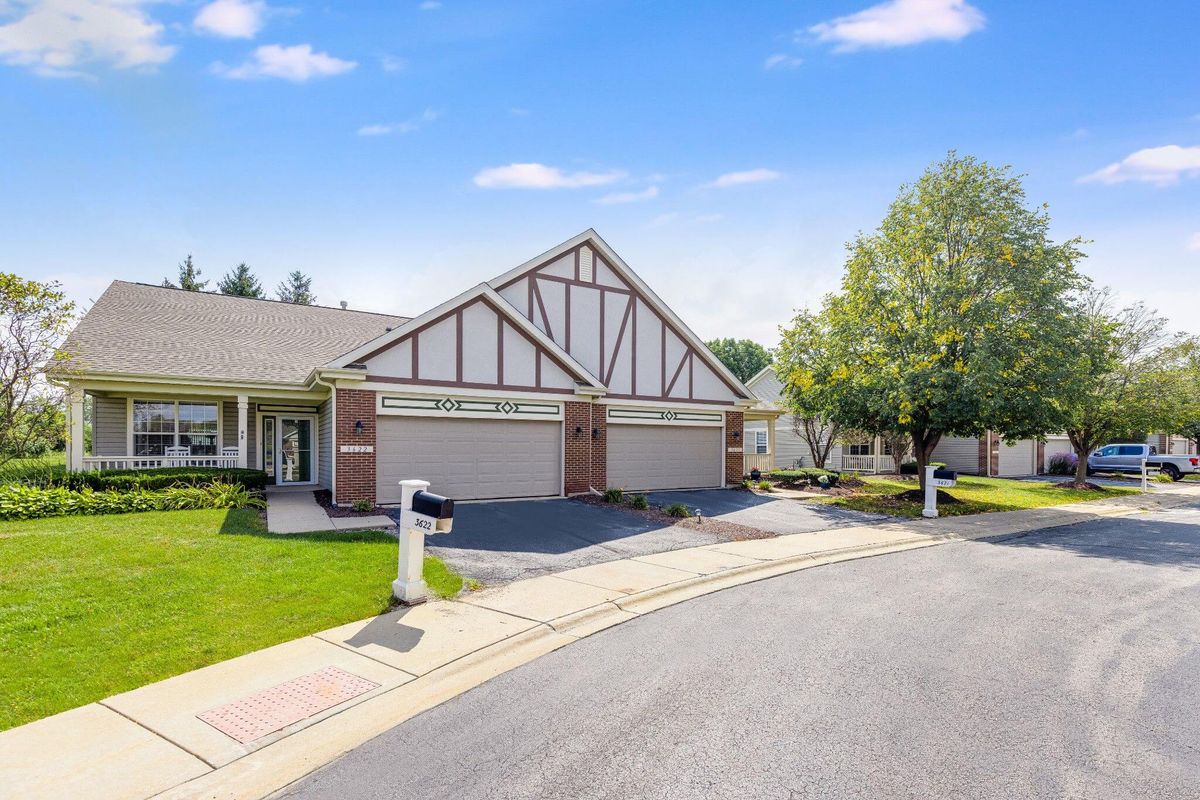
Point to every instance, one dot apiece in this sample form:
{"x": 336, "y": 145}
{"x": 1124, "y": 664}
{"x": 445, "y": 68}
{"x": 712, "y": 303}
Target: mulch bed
{"x": 845, "y": 487}
{"x": 718, "y": 527}
{"x": 1092, "y": 487}
{"x": 325, "y": 500}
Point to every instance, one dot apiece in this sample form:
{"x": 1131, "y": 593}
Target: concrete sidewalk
{"x": 295, "y": 510}
{"x": 249, "y": 726}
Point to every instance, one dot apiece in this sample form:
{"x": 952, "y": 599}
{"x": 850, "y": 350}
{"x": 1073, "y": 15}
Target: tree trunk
{"x": 924, "y": 443}
{"x": 1081, "y": 468}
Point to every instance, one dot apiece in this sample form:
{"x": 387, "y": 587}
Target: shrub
{"x": 32, "y": 502}
{"x": 639, "y": 502}
{"x": 362, "y": 506}
{"x": 764, "y": 486}
{"x": 1063, "y": 464}
{"x": 678, "y": 510}
{"x": 1163, "y": 477}
{"x": 746, "y": 484}
{"x": 910, "y": 467}
{"x": 127, "y": 479}
{"x": 613, "y": 495}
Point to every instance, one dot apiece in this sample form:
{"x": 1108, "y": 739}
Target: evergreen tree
{"x": 189, "y": 277}
{"x": 240, "y": 282}
{"x": 297, "y": 289}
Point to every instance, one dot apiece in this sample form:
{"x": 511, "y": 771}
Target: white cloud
{"x": 232, "y": 19}
{"x": 407, "y": 126}
{"x": 620, "y": 198}
{"x": 540, "y": 176}
{"x": 782, "y": 61}
{"x": 430, "y": 5}
{"x": 519, "y": 112}
{"x": 1193, "y": 242}
{"x": 897, "y": 23}
{"x": 55, "y": 37}
{"x": 297, "y": 63}
{"x": 760, "y": 175}
{"x": 1161, "y": 166}
{"x": 392, "y": 63}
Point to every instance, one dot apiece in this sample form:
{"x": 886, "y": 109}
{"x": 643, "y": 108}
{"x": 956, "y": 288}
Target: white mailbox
{"x": 421, "y": 513}
{"x": 936, "y": 479}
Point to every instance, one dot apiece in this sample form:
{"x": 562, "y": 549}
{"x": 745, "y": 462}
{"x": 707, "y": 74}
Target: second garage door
{"x": 664, "y": 457}
{"x": 1017, "y": 460}
{"x": 469, "y": 459}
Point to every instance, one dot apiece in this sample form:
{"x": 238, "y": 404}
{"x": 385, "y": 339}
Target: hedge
{"x": 33, "y": 502}
{"x": 812, "y": 476}
{"x": 129, "y": 479}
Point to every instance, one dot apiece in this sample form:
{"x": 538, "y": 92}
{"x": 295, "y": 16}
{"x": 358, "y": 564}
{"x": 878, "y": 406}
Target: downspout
{"x": 332, "y": 435}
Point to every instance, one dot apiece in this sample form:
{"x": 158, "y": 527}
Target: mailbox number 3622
{"x": 424, "y": 524}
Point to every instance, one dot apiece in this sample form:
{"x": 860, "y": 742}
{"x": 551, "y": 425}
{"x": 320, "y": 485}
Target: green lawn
{"x": 978, "y": 495}
{"x": 93, "y": 606}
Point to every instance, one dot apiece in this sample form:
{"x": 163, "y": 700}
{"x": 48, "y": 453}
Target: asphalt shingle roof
{"x": 151, "y": 330}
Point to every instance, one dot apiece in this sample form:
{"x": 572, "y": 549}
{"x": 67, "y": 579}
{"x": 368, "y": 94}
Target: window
{"x": 1108, "y": 451}
{"x": 159, "y": 424}
{"x": 1129, "y": 450}
{"x": 760, "y": 442}
{"x": 862, "y": 449}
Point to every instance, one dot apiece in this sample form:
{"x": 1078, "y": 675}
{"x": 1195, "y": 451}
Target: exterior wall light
{"x": 578, "y": 430}
{"x": 358, "y": 426}
{"x": 595, "y": 433}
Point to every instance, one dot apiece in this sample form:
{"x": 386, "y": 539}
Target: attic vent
{"x": 585, "y": 264}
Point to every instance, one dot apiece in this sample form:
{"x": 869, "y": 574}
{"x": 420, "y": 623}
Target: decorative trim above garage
{"x": 663, "y": 416}
{"x": 475, "y": 408}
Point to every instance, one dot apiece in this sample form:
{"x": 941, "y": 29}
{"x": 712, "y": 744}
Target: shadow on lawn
{"x": 249, "y": 522}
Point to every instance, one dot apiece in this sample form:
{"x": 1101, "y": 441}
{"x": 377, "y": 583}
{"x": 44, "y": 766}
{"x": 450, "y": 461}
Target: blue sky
{"x": 400, "y": 152}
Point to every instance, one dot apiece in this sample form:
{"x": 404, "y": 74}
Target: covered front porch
{"x": 758, "y": 449}
{"x": 147, "y": 427}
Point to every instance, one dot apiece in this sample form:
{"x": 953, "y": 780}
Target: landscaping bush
{"x": 33, "y": 502}
{"x": 1063, "y": 464}
{"x": 764, "y": 486}
{"x": 806, "y": 476}
{"x": 362, "y": 506}
{"x": 1163, "y": 477}
{"x": 678, "y": 510}
{"x": 910, "y": 467}
{"x": 746, "y": 484}
{"x": 44, "y": 476}
{"x": 639, "y": 502}
{"x": 613, "y": 495}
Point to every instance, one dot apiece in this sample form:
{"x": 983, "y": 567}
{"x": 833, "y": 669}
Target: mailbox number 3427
{"x": 423, "y": 524}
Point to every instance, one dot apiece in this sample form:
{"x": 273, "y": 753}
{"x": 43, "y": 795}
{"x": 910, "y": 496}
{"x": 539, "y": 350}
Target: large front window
{"x": 159, "y": 424}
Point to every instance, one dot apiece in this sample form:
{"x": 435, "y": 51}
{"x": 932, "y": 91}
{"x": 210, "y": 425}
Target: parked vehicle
{"x": 1129, "y": 457}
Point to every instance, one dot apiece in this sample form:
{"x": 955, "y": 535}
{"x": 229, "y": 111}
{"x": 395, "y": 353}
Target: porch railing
{"x": 763, "y": 462}
{"x": 157, "y": 462}
{"x": 867, "y": 464}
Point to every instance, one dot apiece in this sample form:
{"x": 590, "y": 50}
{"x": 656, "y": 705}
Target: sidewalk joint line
{"x": 164, "y": 737}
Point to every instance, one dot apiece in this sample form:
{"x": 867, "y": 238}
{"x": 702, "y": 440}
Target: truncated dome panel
{"x": 270, "y": 710}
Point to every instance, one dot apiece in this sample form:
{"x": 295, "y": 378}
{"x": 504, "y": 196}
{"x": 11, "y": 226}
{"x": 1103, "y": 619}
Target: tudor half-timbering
{"x": 564, "y": 374}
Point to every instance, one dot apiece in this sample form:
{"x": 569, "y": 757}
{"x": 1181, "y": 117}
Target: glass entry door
{"x": 287, "y": 448}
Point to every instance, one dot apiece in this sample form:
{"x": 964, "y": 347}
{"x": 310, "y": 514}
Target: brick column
{"x": 985, "y": 450}
{"x": 1041, "y": 457}
{"x": 734, "y": 462}
{"x": 599, "y": 472}
{"x": 577, "y": 447}
{"x": 355, "y": 471}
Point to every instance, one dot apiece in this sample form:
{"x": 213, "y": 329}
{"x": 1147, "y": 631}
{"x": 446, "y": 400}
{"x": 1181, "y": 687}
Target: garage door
{"x": 1018, "y": 459}
{"x": 663, "y": 457}
{"x": 469, "y": 459}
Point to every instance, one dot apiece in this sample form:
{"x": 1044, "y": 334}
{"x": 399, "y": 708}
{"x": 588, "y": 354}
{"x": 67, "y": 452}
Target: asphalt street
{"x": 1062, "y": 664}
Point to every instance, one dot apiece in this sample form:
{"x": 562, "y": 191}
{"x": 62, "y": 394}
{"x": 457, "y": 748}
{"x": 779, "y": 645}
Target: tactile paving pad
{"x": 274, "y": 709}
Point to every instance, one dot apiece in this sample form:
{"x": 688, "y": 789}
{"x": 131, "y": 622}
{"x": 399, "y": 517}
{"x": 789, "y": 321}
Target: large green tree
{"x": 34, "y": 318}
{"x": 189, "y": 277}
{"x": 1182, "y": 385}
{"x": 744, "y": 357}
{"x": 297, "y": 289}
{"x": 1119, "y": 384}
{"x": 240, "y": 282}
{"x": 953, "y": 317}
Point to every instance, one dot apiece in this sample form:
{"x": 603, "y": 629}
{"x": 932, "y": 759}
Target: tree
{"x": 189, "y": 277}
{"x": 1119, "y": 384}
{"x": 34, "y": 318}
{"x": 745, "y": 358}
{"x": 899, "y": 446}
{"x": 240, "y": 282}
{"x": 950, "y": 319}
{"x": 1182, "y": 384}
{"x": 819, "y": 434}
{"x": 297, "y": 289}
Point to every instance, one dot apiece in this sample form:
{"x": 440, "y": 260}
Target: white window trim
{"x": 315, "y": 416}
{"x": 129, "y": 433}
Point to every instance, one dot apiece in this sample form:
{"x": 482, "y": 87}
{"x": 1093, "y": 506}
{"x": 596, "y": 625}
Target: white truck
{"x": 1129, "y": 457}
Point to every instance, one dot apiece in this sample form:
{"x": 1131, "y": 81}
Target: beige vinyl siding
{"x": 251, "y": 438}
{"x": 960, "y": 453}
{"x": 229, "y": 428}
{"x": 325, "y": 445}
{"x": 109, "y": 426}
{"x": 790, "y": 449}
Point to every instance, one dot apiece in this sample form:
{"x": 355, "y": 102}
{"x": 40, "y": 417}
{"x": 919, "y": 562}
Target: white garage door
{"x": 469, "y": 459}
{"x": 664, "y": 457}
{"x": 1018, "y": 459}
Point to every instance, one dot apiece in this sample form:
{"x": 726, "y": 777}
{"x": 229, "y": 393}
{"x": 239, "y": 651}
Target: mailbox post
{"x": 936, "y": 479}
{"x": 421, "y": 513}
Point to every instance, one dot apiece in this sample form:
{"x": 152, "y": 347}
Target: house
{"x": 563, "y": 374}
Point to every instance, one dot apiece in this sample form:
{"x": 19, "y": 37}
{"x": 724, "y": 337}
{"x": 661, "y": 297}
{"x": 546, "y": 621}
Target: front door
{"x": 288, "y": 448}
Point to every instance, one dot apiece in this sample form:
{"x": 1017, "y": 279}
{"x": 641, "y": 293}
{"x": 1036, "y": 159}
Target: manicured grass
{"x": 93, "y": 606}
{"x": 977, "y": 495}
{"x": 17, "y": 469}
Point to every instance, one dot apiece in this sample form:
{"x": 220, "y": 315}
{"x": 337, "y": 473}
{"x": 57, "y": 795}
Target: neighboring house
{"x": 990, "y": 456}
{"x": 564, "y": 374}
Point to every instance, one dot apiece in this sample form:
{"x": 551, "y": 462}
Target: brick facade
{"x": 600, "y": 446}
{"x": 355, "y": 471}
{"x": 1041, "y": 457}
{"x": 735, "y": 438}
{"x": 984, "y": 452}
{"x": 577, "y": 447}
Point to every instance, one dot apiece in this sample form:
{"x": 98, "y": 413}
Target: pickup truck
{"x": 1128, "y": 458}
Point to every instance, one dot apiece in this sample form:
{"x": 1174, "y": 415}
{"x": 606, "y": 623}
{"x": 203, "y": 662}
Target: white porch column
{"x": 771, "y": 459}
{"x": 75, "y": 429}
{"x": 243, "y": 403}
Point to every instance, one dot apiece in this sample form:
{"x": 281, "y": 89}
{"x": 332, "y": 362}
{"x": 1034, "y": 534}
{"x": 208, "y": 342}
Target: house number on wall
{"x": 357, "y": 448}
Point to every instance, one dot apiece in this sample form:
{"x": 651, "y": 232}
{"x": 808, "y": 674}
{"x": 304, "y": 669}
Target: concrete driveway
{"x": 777, "y": 516}
{"x": 506, "y": 541}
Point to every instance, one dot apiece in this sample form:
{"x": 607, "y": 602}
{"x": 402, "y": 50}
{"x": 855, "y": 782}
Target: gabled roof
{"x": 480, "y": 292}
{"x": 622, "y": 269}
{"x": 138, "y": 329}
